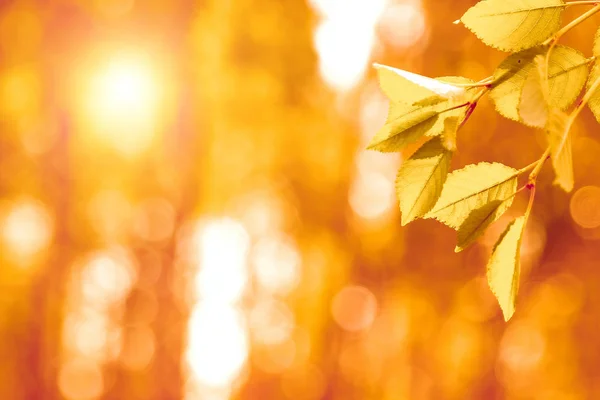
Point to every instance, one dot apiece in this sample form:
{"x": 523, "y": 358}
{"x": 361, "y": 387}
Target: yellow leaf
{"x": 430, "y": 101}
{"x": 504, "y": 267}
{"x": 596, "y": 48}
{"x": 411, "y": 117}
{"x": 406, "y": 124}
{"x": 471, "y": 188}
{"x": 567, "y": 73}
{"x": 407, "y": 87}
{"x": 451, "y": 126}
{"x": 594, "y": 102}
{"x": 421, "y": 178}
{"x": 514, "y": 25}
{"x": 533, "y": 105}
{"x": 478, "y": 221}
{"x": 559, "y": 140}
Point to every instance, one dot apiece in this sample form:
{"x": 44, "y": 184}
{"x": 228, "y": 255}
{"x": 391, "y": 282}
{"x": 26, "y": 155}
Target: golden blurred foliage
{"x": 187, "y": 212}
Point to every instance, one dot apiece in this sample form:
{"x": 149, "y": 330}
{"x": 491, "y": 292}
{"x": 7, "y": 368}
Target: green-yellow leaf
{"x": 533, "y": 106}
{"x": 478, "y": 221}
{"x": 421, "y": 178}
{"x": 504, "y": 267}
{"x": 406, "y": 124}
{"x": 559, "y": 140}
{"x": 412, "y": 118}
{"x": 471, "y": 188}
{"x": 594, "y": 102}
{"x": 514, "y": 25}
{"x": 567, "y": 73}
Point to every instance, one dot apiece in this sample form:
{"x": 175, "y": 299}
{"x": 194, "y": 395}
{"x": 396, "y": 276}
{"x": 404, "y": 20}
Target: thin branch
{"x": 580, "y": 106}
{"x": 538, "y": 166}
{"x": 586, "y": 98}
{"x": 529, "y": 204}
{"x": 473, "y": 104}
{"x": 552, "y": 40}
{"x": 519, "y": 190}
{"x": 528, "y": 168}
{"x": 468, "y": 114}
{"x": 581, "y": 3}
{"x": 480, "y": 94}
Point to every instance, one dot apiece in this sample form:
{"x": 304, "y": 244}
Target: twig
{"x": 586, "y": 98}
{"x": 529, "y": 167}
{"x": 530, "y": 203}
{"x": 538, "y": 166}
{"x": 552, "y": 40}
{"x": 581, "y": 3}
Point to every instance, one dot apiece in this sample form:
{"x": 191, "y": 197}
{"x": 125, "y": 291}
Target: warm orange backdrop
{"x": 187, "y": 212}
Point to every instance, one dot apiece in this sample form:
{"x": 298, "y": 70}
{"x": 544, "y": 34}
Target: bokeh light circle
{"x": 354, "y": 308}
{"x": 26, "y": 229}
{"x": 585, "y": 207}
{"x": 80, "y": 380}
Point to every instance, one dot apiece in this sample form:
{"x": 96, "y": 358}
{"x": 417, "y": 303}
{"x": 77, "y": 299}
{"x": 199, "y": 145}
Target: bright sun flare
{"x": 123, "y": 103}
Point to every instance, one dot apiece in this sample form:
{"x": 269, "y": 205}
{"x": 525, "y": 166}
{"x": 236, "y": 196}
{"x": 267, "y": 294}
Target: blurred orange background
{"x": 187, "y": 212}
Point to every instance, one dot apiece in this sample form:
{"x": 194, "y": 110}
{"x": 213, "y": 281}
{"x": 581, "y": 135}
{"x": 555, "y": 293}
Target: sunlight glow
{"x": 217, "y": 335}
{"x": 408, "y": 15}
{"x": 218, "y": 345}
{"x": 92, "y": 332}
{"x": 108, "y": 277}
{"x": 222, "y": 247}
{"x": 372, "y": 195}
{"x": 344, "y": 39}
{"x": 26, "y": 229}
{"x": 276, "y": 263}
{"x": 373, "y": 112}
{"x": 344, "y": 52}
{"x": 366, "y": 10}
{"x": 124, "y": 103}
{"x": 271, "y": 321}
{"x": 86, "y": 334}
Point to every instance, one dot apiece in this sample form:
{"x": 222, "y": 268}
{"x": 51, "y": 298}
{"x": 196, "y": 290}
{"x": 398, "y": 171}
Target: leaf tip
{"x": 567, "y": 186}
{"x": 407, "y": 218}
{"x": 508, "y": 314}
{"x": 457, "y": 22}
{"x": 373, "y": 145}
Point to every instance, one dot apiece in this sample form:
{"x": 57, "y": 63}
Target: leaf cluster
{"x": 537, "y": 85}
